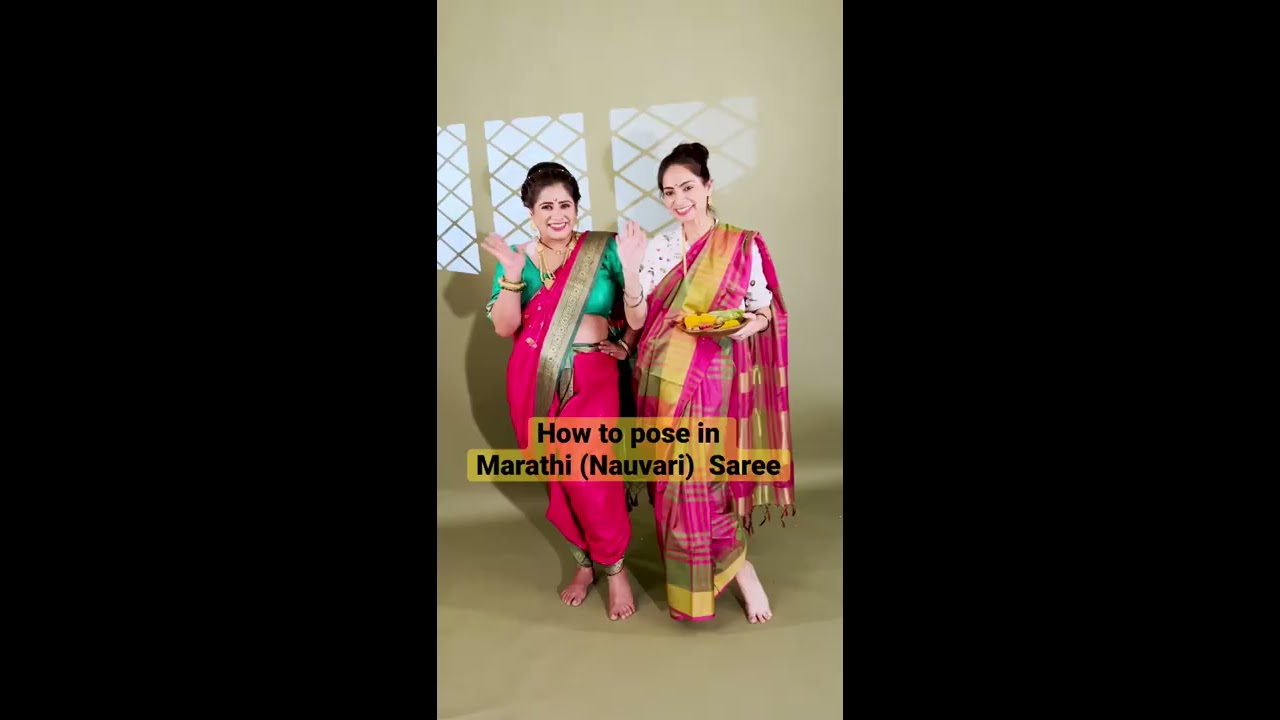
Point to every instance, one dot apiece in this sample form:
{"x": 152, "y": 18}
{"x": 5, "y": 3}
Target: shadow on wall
{"x": 486, "y": 387}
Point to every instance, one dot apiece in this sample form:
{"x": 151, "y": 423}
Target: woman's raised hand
{"x": 512, "y": 261}
{"x": 631, "y": 244}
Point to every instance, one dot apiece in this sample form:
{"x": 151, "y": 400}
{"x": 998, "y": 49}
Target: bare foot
{"x": 621, "y": 604}
{"x": 577, "y": 589}
{"x": 753, "y": 597}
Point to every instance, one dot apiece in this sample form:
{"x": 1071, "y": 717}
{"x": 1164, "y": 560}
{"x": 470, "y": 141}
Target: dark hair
{"x": 544, "y": 175}
{"x": 690, "y": 155}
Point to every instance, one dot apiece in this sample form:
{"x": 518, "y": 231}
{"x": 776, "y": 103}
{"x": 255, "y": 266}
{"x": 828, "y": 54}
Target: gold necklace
{"x": 561, "y": 250}
{"x": 548, "y": 278}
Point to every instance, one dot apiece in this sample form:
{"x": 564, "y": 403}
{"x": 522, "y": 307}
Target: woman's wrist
{"x": 632, "y": 294}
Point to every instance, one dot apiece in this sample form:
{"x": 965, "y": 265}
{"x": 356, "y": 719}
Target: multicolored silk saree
{"x": 703, "y": 525}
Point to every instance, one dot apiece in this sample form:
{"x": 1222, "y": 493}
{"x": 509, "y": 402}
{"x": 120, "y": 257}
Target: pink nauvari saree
{"x": 548, "y": 377}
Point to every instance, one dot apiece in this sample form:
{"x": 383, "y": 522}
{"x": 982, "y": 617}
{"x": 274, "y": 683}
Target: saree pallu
{"x": 547, "y": 376}
{"x": 703, "y": 526}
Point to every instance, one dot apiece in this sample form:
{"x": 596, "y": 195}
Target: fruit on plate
{"x": 714, "y": 320}
{"x": 704, "y": 321}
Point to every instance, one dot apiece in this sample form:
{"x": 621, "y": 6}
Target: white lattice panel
{"x": 517, "y": 145}
{"x": 641, "y": 138}
{"x": 456, "y": 248}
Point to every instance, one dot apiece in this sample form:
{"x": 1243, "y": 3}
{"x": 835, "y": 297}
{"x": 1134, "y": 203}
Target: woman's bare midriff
{"x": 594, "y": 329}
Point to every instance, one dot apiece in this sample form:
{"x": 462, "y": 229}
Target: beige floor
{"x": 508, "y": 648}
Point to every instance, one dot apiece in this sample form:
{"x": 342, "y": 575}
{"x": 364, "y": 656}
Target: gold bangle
{"x": 506, "y": 284}
{"x": 625, "y": 346}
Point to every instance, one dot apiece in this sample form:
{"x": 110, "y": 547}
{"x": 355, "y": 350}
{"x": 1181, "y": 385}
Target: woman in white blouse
{"x": 704, "y": 266}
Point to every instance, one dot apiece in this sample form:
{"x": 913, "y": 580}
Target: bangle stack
{"x": 506, "y": 284}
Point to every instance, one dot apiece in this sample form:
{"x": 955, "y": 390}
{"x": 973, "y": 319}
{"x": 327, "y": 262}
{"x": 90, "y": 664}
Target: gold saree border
{"x": 565, "y": 320}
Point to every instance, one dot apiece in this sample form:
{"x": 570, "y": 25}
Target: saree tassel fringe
{"x": 748, "y": 521}
{"x": 787, "y": 510}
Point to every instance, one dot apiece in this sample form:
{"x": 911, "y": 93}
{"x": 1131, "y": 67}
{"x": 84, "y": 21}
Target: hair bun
{"x": 694, "y": 151}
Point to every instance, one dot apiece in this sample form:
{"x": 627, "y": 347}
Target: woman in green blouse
{"x": 554, "y": 295}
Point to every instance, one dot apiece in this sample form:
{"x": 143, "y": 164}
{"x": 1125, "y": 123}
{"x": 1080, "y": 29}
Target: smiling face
{"x": 554, "y": 213}
{"x": 684, "y": 193}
